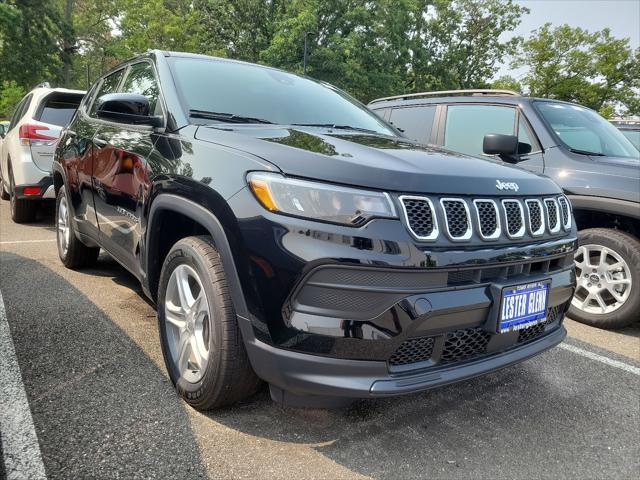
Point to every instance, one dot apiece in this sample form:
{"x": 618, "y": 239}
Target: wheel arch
{"x": 602, "y": 212}
{"x": 167, "y": 206}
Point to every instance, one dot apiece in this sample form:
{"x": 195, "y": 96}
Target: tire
{"x": 22, "y": 211}
{"x": 622, "y": 250}
{"x": 214, "y": 371}
{"x": 4, "y": 195}
{"x": 72, "y": 252}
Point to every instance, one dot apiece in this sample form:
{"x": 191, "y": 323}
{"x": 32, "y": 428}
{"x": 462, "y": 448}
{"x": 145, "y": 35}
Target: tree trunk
{"x": 68, "y": 43}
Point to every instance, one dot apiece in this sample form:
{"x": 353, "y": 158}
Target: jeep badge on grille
{"x": 500, "y": 185}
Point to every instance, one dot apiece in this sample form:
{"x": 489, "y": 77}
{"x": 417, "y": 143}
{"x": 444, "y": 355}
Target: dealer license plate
{"x": 523, "y": 306}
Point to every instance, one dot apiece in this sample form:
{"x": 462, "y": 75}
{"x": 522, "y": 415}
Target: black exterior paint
{"x": 122, "y": 179}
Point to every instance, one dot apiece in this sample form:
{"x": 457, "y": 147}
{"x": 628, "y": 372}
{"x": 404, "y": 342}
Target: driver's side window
{"x": 141, "y": 79}
{"x": 109, "y": 85}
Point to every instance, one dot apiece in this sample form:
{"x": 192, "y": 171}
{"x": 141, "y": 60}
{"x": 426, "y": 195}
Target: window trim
{"x": 20, "y": 112}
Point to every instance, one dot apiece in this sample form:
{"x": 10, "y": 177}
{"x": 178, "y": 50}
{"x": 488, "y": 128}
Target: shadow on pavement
{"x": 101, "y": 407}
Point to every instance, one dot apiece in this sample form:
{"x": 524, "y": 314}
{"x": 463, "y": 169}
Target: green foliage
{"x": 29, "y": 34}
{"x": 507, "y": 82}
{"x": 10, "y": 95}
{"x": 593, "y": 69}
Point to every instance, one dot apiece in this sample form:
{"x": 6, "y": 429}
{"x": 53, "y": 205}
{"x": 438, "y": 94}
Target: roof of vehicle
{"x": 626, "y": 123}
{"x": 479, "y": 95}
{"x": 39, "y": 91}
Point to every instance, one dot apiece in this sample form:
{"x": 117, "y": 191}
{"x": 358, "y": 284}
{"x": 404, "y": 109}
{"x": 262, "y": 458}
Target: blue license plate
{"x": 523, "y": 306}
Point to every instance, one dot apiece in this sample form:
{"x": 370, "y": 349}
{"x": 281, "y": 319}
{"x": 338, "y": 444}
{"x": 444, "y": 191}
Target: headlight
{"x": 319, "y": 201}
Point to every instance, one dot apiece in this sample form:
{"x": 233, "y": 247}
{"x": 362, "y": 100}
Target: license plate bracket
{"x": 523, "y": 306}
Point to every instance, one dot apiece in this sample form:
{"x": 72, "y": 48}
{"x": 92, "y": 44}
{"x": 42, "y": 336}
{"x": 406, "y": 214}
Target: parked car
{"x": 288, "y": 234}
{"x": 630, "y": 128}
{"x": 26, "y": 152}
{"x": 594, "y": 163}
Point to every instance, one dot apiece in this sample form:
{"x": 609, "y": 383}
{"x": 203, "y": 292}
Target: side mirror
{"x": 126, "y": 108}
{"x": 505, "y": 146}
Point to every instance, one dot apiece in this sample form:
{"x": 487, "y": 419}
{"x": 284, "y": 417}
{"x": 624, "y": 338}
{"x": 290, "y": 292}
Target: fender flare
{"x": 605, "y": 205}
{"x": 210, "y": 222}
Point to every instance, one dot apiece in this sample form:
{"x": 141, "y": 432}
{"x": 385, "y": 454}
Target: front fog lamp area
{"x": 319, "y": 201}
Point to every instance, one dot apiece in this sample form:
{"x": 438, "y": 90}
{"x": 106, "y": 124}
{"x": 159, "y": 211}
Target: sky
{"x": 622, "y": 17}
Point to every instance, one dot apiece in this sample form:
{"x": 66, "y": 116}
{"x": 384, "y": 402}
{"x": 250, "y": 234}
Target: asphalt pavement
{"x": 101, "y": 404}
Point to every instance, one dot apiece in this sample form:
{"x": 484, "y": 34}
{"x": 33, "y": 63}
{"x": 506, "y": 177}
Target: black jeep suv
{"x": 286, "y": 233}
{"x": 598, "y": 168}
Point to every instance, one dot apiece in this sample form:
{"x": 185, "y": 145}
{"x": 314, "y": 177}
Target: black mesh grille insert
{"x": 535, "y": 215}
{"x": 457, "y": 220}
{"x": 462, "y": 344}
{"x": 419, "y": 216}
{"x": 412, "y": 351}
{"x": 564, "y": 207}
{"x": 552, "y": 212}
{"x": 488, "y": 218}
{"x": 514, "y": 216}
{"x": 536, "y": 331}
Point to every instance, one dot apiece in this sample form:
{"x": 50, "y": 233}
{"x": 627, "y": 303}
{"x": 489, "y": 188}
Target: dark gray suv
{"x": 597, "y": 167}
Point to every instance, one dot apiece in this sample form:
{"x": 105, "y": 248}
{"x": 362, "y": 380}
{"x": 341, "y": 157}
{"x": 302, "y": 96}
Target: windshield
{"x": 245, "y": 90}
{"x": 583, "y": 130}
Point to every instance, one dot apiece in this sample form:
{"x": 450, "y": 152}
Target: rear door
{"x": 466, "y": 125}
{"x": 53, "y": 113}
{"x": 121, "y": 172}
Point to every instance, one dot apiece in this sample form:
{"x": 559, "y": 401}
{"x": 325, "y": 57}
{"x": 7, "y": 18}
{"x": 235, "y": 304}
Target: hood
{"x": 374, "y": 161}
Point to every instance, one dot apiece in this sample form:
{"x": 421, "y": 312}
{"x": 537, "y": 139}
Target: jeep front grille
{"x": 509, "y": 218}
{"x": 456, "y": 215}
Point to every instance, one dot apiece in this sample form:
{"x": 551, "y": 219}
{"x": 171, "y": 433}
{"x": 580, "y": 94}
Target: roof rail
{"x": 450, "y": 93}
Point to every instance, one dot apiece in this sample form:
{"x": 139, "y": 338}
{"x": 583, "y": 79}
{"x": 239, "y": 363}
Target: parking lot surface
{"x": 102, "y": 406}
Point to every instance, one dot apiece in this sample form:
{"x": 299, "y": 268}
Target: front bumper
{"x": 312, "y": 375}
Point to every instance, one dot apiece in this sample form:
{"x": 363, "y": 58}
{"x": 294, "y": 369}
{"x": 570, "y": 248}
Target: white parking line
{"x": 9, "y": 242}
{"x": 601, "y": 358}
{"x": 20, "y": 448}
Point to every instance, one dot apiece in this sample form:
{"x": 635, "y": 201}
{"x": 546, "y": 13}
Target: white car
{"x": 26, "y": 152}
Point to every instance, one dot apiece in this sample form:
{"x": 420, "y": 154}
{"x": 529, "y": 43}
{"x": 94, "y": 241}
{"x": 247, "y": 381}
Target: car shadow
{"x": 101, "y": 407}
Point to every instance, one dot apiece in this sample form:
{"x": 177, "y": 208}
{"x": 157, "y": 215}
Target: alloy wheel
{"x": 64, "y": 231}
{"x": 186, "y": 313}
{"x": 603, "y": 280}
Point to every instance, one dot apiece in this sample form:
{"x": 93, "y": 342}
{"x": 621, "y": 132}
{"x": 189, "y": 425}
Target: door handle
{"x": 99, "y": 142}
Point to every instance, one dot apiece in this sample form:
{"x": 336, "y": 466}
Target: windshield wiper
{"x": 225, "y": 117}
{"x": 334, "y": 126}
{"x": 587, "y": 152}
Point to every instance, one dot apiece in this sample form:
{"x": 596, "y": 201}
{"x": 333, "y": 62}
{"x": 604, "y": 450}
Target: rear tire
{"x": 22, "y": 211}
{"x": 201, "y": 342}
{"x": 4, "y": 195}
{"x": 610, "y": 305}
{"x": 72, "y": 252}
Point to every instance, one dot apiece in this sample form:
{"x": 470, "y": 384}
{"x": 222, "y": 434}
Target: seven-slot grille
{"x": 518, "y": 216}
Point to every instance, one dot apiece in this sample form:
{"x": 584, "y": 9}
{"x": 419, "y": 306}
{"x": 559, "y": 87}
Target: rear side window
{"x": 467, "y": 125}
{"x": 58, "y": 109}
{"x": 416, "y": 122}
{"x": 142, "y": 80}
{"x": 109, "y": 85}
{"x": 21, "y": 109}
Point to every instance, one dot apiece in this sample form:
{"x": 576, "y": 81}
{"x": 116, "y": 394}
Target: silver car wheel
{"x": 186, "y": 313}
{"x": 603, "y": 280}
{"x": 63, "y": 226}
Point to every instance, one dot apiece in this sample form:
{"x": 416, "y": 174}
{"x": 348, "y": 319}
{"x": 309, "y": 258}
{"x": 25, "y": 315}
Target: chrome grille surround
{"x": 531, "y": 212}
{"x": 511, "y": 220}
{"x": 565, "y": 208}
{"x": 553, "y": 214}
{"x": 468, "y": 231}
{"x": 434, "y": 218}
{"x": 498, "y": 230}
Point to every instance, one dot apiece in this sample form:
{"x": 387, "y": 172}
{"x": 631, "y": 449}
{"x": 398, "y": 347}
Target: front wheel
{"x": 608, "y": 278}
{"x": 201, "y": 342}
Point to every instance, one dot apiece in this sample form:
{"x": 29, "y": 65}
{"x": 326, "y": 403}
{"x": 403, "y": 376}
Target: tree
{"x": 592, "y": 69}
{"x": 10, "y": 95}
{"x": 29, "y": 34}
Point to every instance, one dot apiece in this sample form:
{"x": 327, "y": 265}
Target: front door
{"x": 121, "y": 175}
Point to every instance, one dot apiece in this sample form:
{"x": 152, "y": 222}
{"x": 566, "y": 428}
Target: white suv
{"x": 26, "y": 153}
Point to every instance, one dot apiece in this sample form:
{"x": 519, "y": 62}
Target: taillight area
{"x": 31, "y": 134}
{"x": 31, "y": 190}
